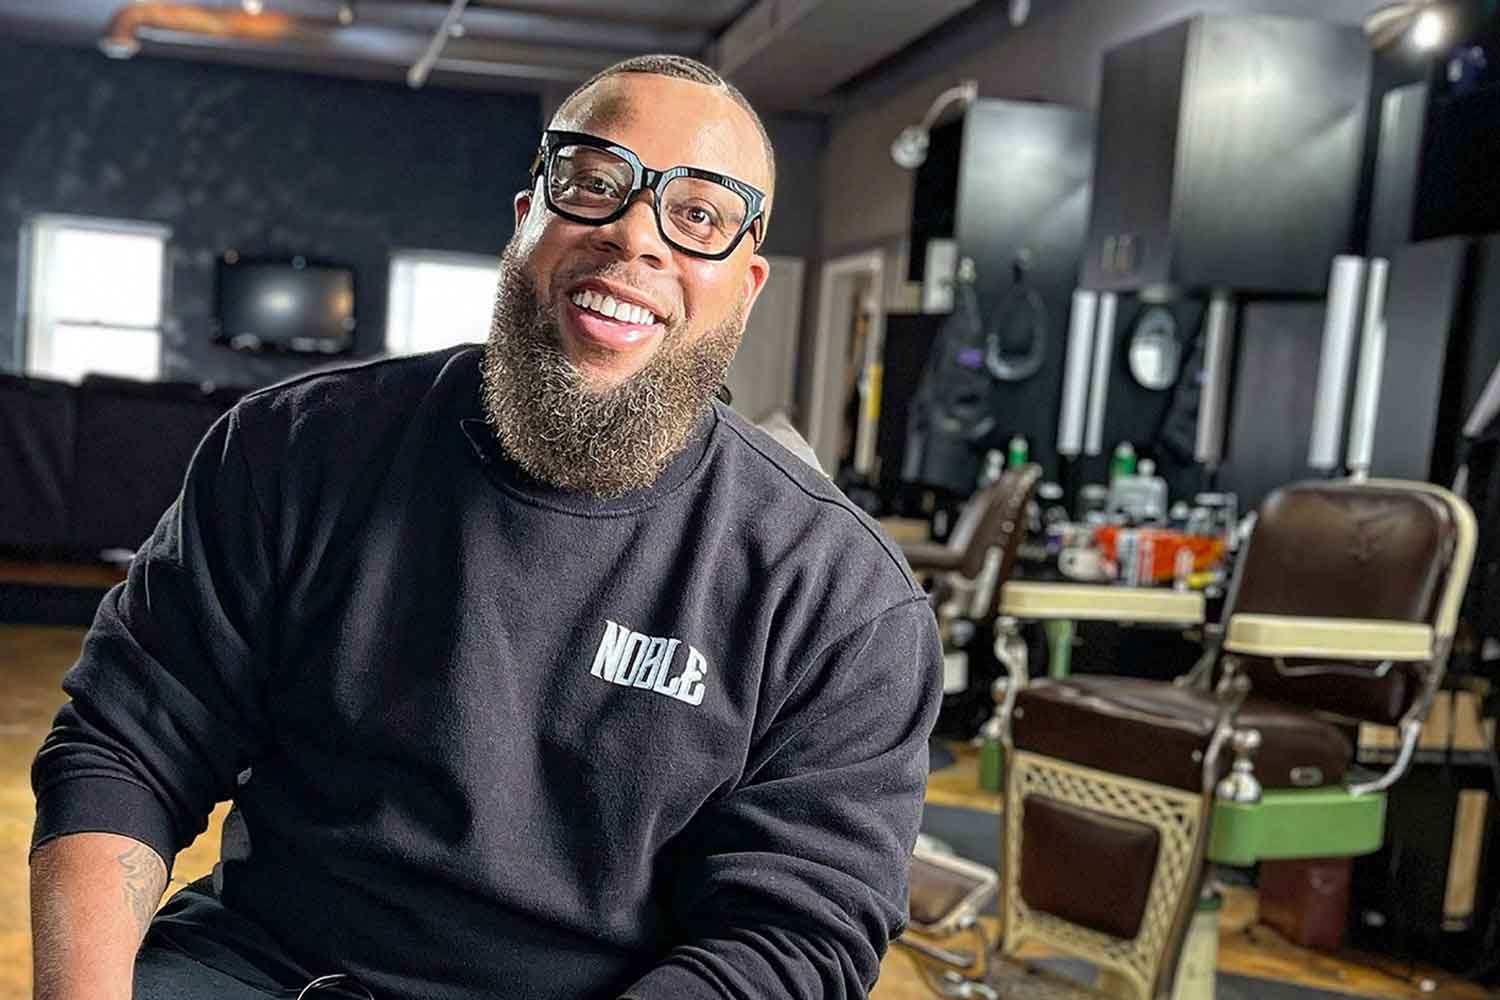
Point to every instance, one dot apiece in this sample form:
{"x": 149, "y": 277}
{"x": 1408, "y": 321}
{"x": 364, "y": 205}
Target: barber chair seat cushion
{"x": 1157, "y": 732}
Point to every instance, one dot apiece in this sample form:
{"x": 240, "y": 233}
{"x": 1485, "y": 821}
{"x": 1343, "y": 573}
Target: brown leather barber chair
{"x": 968, "y": 569}
{"x": 947, "y": 892}
{"x": 1118, "y": 792}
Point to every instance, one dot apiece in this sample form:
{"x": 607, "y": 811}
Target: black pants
{"x": 196, "y": 949}
{"x": 165, "y": 973}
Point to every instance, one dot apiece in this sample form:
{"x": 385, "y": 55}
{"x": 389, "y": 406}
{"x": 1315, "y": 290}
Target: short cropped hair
{"x": 682, "y": 68}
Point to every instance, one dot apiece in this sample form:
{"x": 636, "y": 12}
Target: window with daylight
{"x": 94, "y": 297}
{"x": 438, "y": 300}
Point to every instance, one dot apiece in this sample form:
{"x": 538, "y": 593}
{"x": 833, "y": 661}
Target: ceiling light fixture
{"x": 1428, "y": 31}
{"x": 1421, "y": 24}
{"x": 252, "y": 7}
{"x": 909, "y": 149}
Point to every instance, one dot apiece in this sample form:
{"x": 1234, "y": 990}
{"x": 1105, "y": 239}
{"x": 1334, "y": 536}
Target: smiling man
{"x": 532, "y": 671}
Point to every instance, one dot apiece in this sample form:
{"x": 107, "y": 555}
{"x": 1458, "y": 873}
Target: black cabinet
{"x": 1228, "y": 155}
{"x": 1442, "y": 318}
{"x": 1009, "y": 181}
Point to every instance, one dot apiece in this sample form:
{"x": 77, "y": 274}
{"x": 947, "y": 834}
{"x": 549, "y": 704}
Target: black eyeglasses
{"x": 592, "y": 180}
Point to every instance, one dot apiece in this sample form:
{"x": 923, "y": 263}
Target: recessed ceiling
{"x": 786, "y": 54}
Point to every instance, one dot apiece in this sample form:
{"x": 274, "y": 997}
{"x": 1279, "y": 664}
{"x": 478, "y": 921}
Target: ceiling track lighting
{"x": 451, "y": 27}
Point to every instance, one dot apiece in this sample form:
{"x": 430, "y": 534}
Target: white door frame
{"x": 825, "y": 409}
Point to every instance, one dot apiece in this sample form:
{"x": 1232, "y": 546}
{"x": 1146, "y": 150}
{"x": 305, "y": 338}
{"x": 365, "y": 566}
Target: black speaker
{"x": 1439, "y": 141}
{"x": 1228, "y": 155}
{"x": 1403, "y": 115}
{"x": 1458, "y": 191}
{"x": 1278, "y": 347}
{"x": 1400, "y": 895}
{"x": 1442, "y": 318}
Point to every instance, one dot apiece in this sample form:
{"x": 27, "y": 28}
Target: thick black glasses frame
{"x": 644, "y": 179}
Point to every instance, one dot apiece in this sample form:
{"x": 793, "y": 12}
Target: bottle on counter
{"x": 1122, "y": 462}
{"x": 1093, "y": 499}
{"x": 994, "y": 465}
{"x": 1145, "y": 559}
{"x": 1139, "y": 497}
{"x": 1017, "y": 453}
{"x": 1127, "y": 565}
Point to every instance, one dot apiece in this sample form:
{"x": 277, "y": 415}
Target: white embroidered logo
{"x": 631, "y": 659}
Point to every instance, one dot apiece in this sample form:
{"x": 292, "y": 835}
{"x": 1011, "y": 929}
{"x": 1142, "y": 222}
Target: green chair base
{"x": 991, "y": 758}
{"x": 1296, "y": 823}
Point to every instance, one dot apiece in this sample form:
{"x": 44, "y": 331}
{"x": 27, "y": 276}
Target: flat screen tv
{"x": 293, "y": 304}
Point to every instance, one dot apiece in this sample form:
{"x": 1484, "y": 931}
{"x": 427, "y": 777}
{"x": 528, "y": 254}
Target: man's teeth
{"x": 607, "y": 305}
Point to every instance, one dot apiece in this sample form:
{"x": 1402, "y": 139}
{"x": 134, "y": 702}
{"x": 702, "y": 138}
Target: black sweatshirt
{"x": 487, "y": 738}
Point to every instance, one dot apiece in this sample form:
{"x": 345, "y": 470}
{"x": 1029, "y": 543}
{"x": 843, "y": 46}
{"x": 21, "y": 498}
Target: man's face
{"x": 598, "y": 404}
{"x": 667, "y": 122}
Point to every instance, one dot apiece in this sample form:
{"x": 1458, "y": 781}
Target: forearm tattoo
{"x": 145, "y": 879}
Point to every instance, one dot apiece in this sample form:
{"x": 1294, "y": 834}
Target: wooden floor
{"x": 59, "y": 574}
{"x": 33, "y": 660}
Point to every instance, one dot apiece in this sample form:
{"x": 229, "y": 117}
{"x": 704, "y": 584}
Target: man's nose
{"x": 635, "y": 234}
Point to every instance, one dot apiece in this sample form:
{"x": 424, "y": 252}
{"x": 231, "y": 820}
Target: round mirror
{"x": 1155, "y": 354}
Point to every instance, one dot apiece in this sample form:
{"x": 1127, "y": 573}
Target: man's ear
{"x": 755, "y": 279}
{"x": 523, "y": 206}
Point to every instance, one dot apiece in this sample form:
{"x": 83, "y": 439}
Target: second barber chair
{"x": 1118, "y": 791}
{"x": 965, "y": 574}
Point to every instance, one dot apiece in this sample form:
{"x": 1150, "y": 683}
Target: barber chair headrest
{"x": 995, "y": 516}
{"x": 1341, "y": 557}
{"x": 1347, "y": 550}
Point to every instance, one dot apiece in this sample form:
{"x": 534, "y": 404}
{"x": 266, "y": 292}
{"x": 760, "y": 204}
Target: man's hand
{"x": 92, "y": 897}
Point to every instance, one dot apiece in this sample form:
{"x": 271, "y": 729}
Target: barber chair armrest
{"x": 1295, "y": 637}
{"x": 947, "y": 892}
{"x": 928, "y": 557}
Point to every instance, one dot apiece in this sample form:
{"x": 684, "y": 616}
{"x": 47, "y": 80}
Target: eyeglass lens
{"x": 696, "y": 213}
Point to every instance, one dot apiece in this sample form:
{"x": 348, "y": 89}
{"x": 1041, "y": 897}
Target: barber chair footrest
{"x": 1013, "y": 980}
{"x": 1296, "y": 823}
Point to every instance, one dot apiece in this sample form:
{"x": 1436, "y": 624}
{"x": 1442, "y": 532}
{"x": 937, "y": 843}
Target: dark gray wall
{"x": 799, "y": 142}
{"x": 256, "y": 161}
{"x": 796, "y": 218}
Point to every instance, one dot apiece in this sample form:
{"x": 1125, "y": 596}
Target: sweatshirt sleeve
{"x": 792, "y": 885}
{"x": 164, "y": 710}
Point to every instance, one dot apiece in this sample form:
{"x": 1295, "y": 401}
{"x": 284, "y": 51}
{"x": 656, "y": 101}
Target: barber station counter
{"x": 1058, "y": 605}
{"x": 1043, "y": 601}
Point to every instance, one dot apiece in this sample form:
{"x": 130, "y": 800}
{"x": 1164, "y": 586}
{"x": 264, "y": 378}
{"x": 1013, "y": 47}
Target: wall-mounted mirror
{"x": 1155, "y": 353}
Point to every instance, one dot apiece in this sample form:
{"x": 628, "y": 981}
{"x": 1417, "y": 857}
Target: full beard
{"x": 608, "y": 441}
